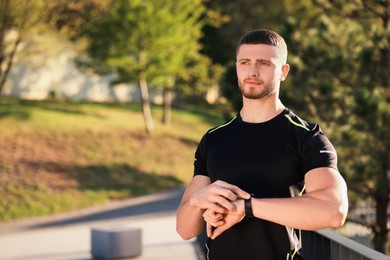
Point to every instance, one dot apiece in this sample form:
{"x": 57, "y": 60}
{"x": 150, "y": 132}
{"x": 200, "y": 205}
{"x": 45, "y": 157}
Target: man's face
{"x": 259, "y": 70}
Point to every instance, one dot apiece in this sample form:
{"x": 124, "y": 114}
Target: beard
{"x": 257, "y": 93}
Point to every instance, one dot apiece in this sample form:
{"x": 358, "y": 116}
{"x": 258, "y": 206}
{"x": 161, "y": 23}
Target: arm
{"x": 325, "y": 204}
{"x": 201, "y": 194}
{"x": 189, "y": 222}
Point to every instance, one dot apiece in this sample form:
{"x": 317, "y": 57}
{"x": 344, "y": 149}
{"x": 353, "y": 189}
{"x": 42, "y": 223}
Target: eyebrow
{"x": 257, "y": 60}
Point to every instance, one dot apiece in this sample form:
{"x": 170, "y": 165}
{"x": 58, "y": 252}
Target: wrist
{"x": 194, "y": 205}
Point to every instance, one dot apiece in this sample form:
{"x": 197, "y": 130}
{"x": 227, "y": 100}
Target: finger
{"x": 223, "y": 202}
{"x": 209, "y": 230}
{"x": 215, "y": 224}
{"x": 239, "y": 193}
{"x": 218, "y": 231}
{"x": 207, "y": 218}
{"x": 212, "y": 221}
{"x": 231, "y": 191}
{"x": 220, "y": 208}
{"x": 211, "y": 204}
{"x": 218, "y": 216}
{"x": 223, "y": 191}
{"x": 209, "y": 214}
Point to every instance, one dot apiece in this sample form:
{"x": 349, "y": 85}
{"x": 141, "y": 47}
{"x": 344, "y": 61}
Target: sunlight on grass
{"x": 59, "y": 156}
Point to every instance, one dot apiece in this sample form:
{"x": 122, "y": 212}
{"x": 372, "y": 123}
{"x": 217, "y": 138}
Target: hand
{"x": 219, "y": 223}
{"x": 218, "y": 197}
{"x": 213, "y": 219}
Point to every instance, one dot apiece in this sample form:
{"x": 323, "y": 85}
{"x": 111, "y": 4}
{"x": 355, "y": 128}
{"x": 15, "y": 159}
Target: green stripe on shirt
{"x": 295, "y": 123}
{"x": 222, "y": 125}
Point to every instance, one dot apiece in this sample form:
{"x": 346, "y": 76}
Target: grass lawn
{"x": 58, "y": 156}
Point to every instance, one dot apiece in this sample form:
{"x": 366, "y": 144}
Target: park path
{"x": 67, "y": 236}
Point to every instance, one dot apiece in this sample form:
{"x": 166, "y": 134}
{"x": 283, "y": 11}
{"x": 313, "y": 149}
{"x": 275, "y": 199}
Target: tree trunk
{"x": 143, "y": 86}
{"x": 167, "y": 93}
{"x": 3, "y": 28}
{"x": 8, "y": 65}
{"x": 381, "y": 230}
{"x": 382, "y": 206}
{"x": 5, "y": 68}
{"x": 11, "y": 56}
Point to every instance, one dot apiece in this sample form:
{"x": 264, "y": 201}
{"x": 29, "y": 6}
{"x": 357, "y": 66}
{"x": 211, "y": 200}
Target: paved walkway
{"x": 67, "y": 236}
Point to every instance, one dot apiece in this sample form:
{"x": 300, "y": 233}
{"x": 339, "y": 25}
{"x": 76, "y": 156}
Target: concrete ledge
{"x": 116, "y": 242}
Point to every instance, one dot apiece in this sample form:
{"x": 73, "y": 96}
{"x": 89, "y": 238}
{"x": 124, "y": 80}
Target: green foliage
{"x": 158, "y": 38}
{"x": 229, "y": 87}
{"x": 229, "y": 20}
{"x": 199, "y": 75}
{"x": 339, "y": 77}
{"x": 153, "y": 42}
{"x": 338, "y": 65}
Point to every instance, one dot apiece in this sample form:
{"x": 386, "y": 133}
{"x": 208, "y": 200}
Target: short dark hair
{"x": 265, "y": 36}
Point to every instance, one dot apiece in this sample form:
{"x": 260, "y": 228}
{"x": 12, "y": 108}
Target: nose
{"x": 253, "y": 70}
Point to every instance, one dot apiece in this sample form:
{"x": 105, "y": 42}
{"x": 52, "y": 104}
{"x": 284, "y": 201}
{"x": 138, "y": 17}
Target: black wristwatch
{"x": 248, "y": 207}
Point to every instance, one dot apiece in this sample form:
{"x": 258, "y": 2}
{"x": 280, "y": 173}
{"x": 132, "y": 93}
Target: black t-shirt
{"x": 264, "y": 159}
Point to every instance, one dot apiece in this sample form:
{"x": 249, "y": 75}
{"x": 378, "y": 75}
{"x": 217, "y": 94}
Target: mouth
{"x": 252, "y": 82}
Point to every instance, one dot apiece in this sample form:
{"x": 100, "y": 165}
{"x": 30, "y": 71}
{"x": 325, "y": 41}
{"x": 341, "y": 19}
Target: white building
{"x": 60, "y": 77}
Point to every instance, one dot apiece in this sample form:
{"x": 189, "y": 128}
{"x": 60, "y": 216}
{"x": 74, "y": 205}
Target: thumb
{"x": 242, "y": 194}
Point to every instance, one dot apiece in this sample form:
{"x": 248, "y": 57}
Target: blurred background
{"x": 104, "y": 100}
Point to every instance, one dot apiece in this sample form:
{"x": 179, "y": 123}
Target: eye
{"x": 264, "y": 63}
{"x": 244, "y": 63}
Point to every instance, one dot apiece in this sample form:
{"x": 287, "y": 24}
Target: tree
{"x": 146, "y": 41}
{"x": 339, "y": 55}
{"x": 229, "y": 20}
{"x": 18, "y": 16}
{"x": 27, "y": 22}
{"x": 178, "y": 48}
{"x": 229, "y": 87}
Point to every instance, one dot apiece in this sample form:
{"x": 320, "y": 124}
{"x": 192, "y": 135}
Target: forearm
{"x": 309, "y": 212}
{"x": 189, "y": 221}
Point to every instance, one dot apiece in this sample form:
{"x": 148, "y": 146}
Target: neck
{"x": 258, "y": 111}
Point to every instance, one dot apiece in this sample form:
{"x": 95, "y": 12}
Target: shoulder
{"x": 298, "y": 123}
{"x": 305, "y": 132}
{"x": 215, "y": 133}
{"x": 222, "y": 127}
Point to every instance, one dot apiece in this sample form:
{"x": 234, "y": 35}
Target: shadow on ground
{"x": 160, "y": 203}
{"x": 113, "y": 177}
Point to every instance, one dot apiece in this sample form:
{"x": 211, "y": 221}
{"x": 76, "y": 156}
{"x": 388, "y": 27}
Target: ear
{"x": 285, "y": 70}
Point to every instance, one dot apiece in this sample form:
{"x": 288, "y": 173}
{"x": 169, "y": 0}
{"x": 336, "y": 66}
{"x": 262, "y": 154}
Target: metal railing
{"x": 328, "y": 245}
{"x": 322, "y": 245}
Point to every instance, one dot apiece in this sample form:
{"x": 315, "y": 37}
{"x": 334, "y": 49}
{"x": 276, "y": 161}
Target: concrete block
{"x": 116, "y": 242}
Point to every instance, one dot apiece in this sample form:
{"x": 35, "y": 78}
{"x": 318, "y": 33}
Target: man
{"x": 246, "y": 169}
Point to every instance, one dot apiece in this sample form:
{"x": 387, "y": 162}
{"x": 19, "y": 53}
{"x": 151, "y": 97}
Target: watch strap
{"x": 248, "y": 207}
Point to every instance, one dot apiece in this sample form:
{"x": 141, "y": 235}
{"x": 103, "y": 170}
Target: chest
{"x": 261, "y": 161}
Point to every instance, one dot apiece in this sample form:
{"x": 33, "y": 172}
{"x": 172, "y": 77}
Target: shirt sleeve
{"x": 318, "y": 151}
{"x": 200, "y": 160}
